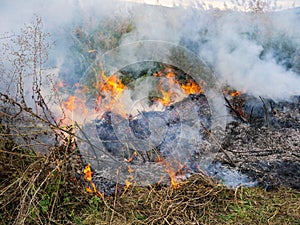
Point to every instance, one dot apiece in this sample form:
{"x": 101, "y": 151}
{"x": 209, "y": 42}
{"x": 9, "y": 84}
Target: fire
{"x": 127, "y": 185}
{"x": 235, "y": 93}
{"x": 129, "y": 182}
{"x": 134, "y": 155}
{"x": 166, "y": 99}
{"x": 75, "y": 103}
{"x": 192, "y": 88}
{"x": 88, "y": 176}
{"x": 113, "y": 85}
{"x": 175, "y": 184}
{"x": 232, "y": 92}
{"x": 172, "y": 174}
{"x": 109, "y": 89}
{"x": 88, "y": 173}
{"x": 69, "y": 104}
{"x": 171, "y": 77}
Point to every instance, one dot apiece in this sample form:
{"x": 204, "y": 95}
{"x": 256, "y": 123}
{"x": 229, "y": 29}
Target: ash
{"x": 267, "y": 149}
{"x": 263, "y": 147}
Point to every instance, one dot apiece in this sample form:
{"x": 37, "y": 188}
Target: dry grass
{"x": 200, "y": 201}
{"x": 39, "y": 189}
{"x": 34, "y": 187}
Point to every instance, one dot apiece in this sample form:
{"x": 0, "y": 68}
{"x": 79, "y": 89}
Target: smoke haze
{"x": 253, "y": 52}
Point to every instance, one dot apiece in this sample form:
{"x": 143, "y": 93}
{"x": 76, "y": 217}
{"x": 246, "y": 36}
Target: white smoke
{"x": 236, "y": 42}
{"x": 238, "y": 46}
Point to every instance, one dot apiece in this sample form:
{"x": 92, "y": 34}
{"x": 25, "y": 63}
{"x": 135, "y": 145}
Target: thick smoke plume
{"x": 253, "y": 52}
{"x": 256, "y": 52}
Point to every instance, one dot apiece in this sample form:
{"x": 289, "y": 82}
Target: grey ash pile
{"x": 158, "y": 131}
{"x": 261, "y": 145}
{"x": 147, "y": 142}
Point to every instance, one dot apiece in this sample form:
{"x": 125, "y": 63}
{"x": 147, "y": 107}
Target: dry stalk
{"x": 237, "y": 113}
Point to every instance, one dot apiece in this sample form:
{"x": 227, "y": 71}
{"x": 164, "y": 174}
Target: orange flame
{"x": 171, "y": 77}
{"x": 113, "y": 85}
{"x": 192, "y": 88}
{"x": 127, "y": 185}
{"x": 172, "y": 174}
{"x": 88, "y": 173}
{"x": 69, "y": 104}
{"x": 75, "y": 103}
{"x": 128, "y": 182}
{"x": 109, "y": 89}
{"x": 175, "y": 184}
{"x": 88, "y": 176}
{"x": 166, "y": 97}
{"x": 235, "y": 93}
{"x": 134, "y": 155}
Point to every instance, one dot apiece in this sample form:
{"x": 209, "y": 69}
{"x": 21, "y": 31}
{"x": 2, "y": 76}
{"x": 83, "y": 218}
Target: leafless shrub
{"x": 35, "y": 151}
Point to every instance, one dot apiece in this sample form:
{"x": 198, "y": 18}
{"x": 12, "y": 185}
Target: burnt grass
{"x": 50, "y": 189}
{"x": 266, "y": 144}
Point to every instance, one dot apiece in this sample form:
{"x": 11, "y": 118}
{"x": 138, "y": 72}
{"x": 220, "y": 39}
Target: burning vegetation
{"x": 46, "y": 177}
{"x": 168, "y": 86}
{"x": 109, "y": 89}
